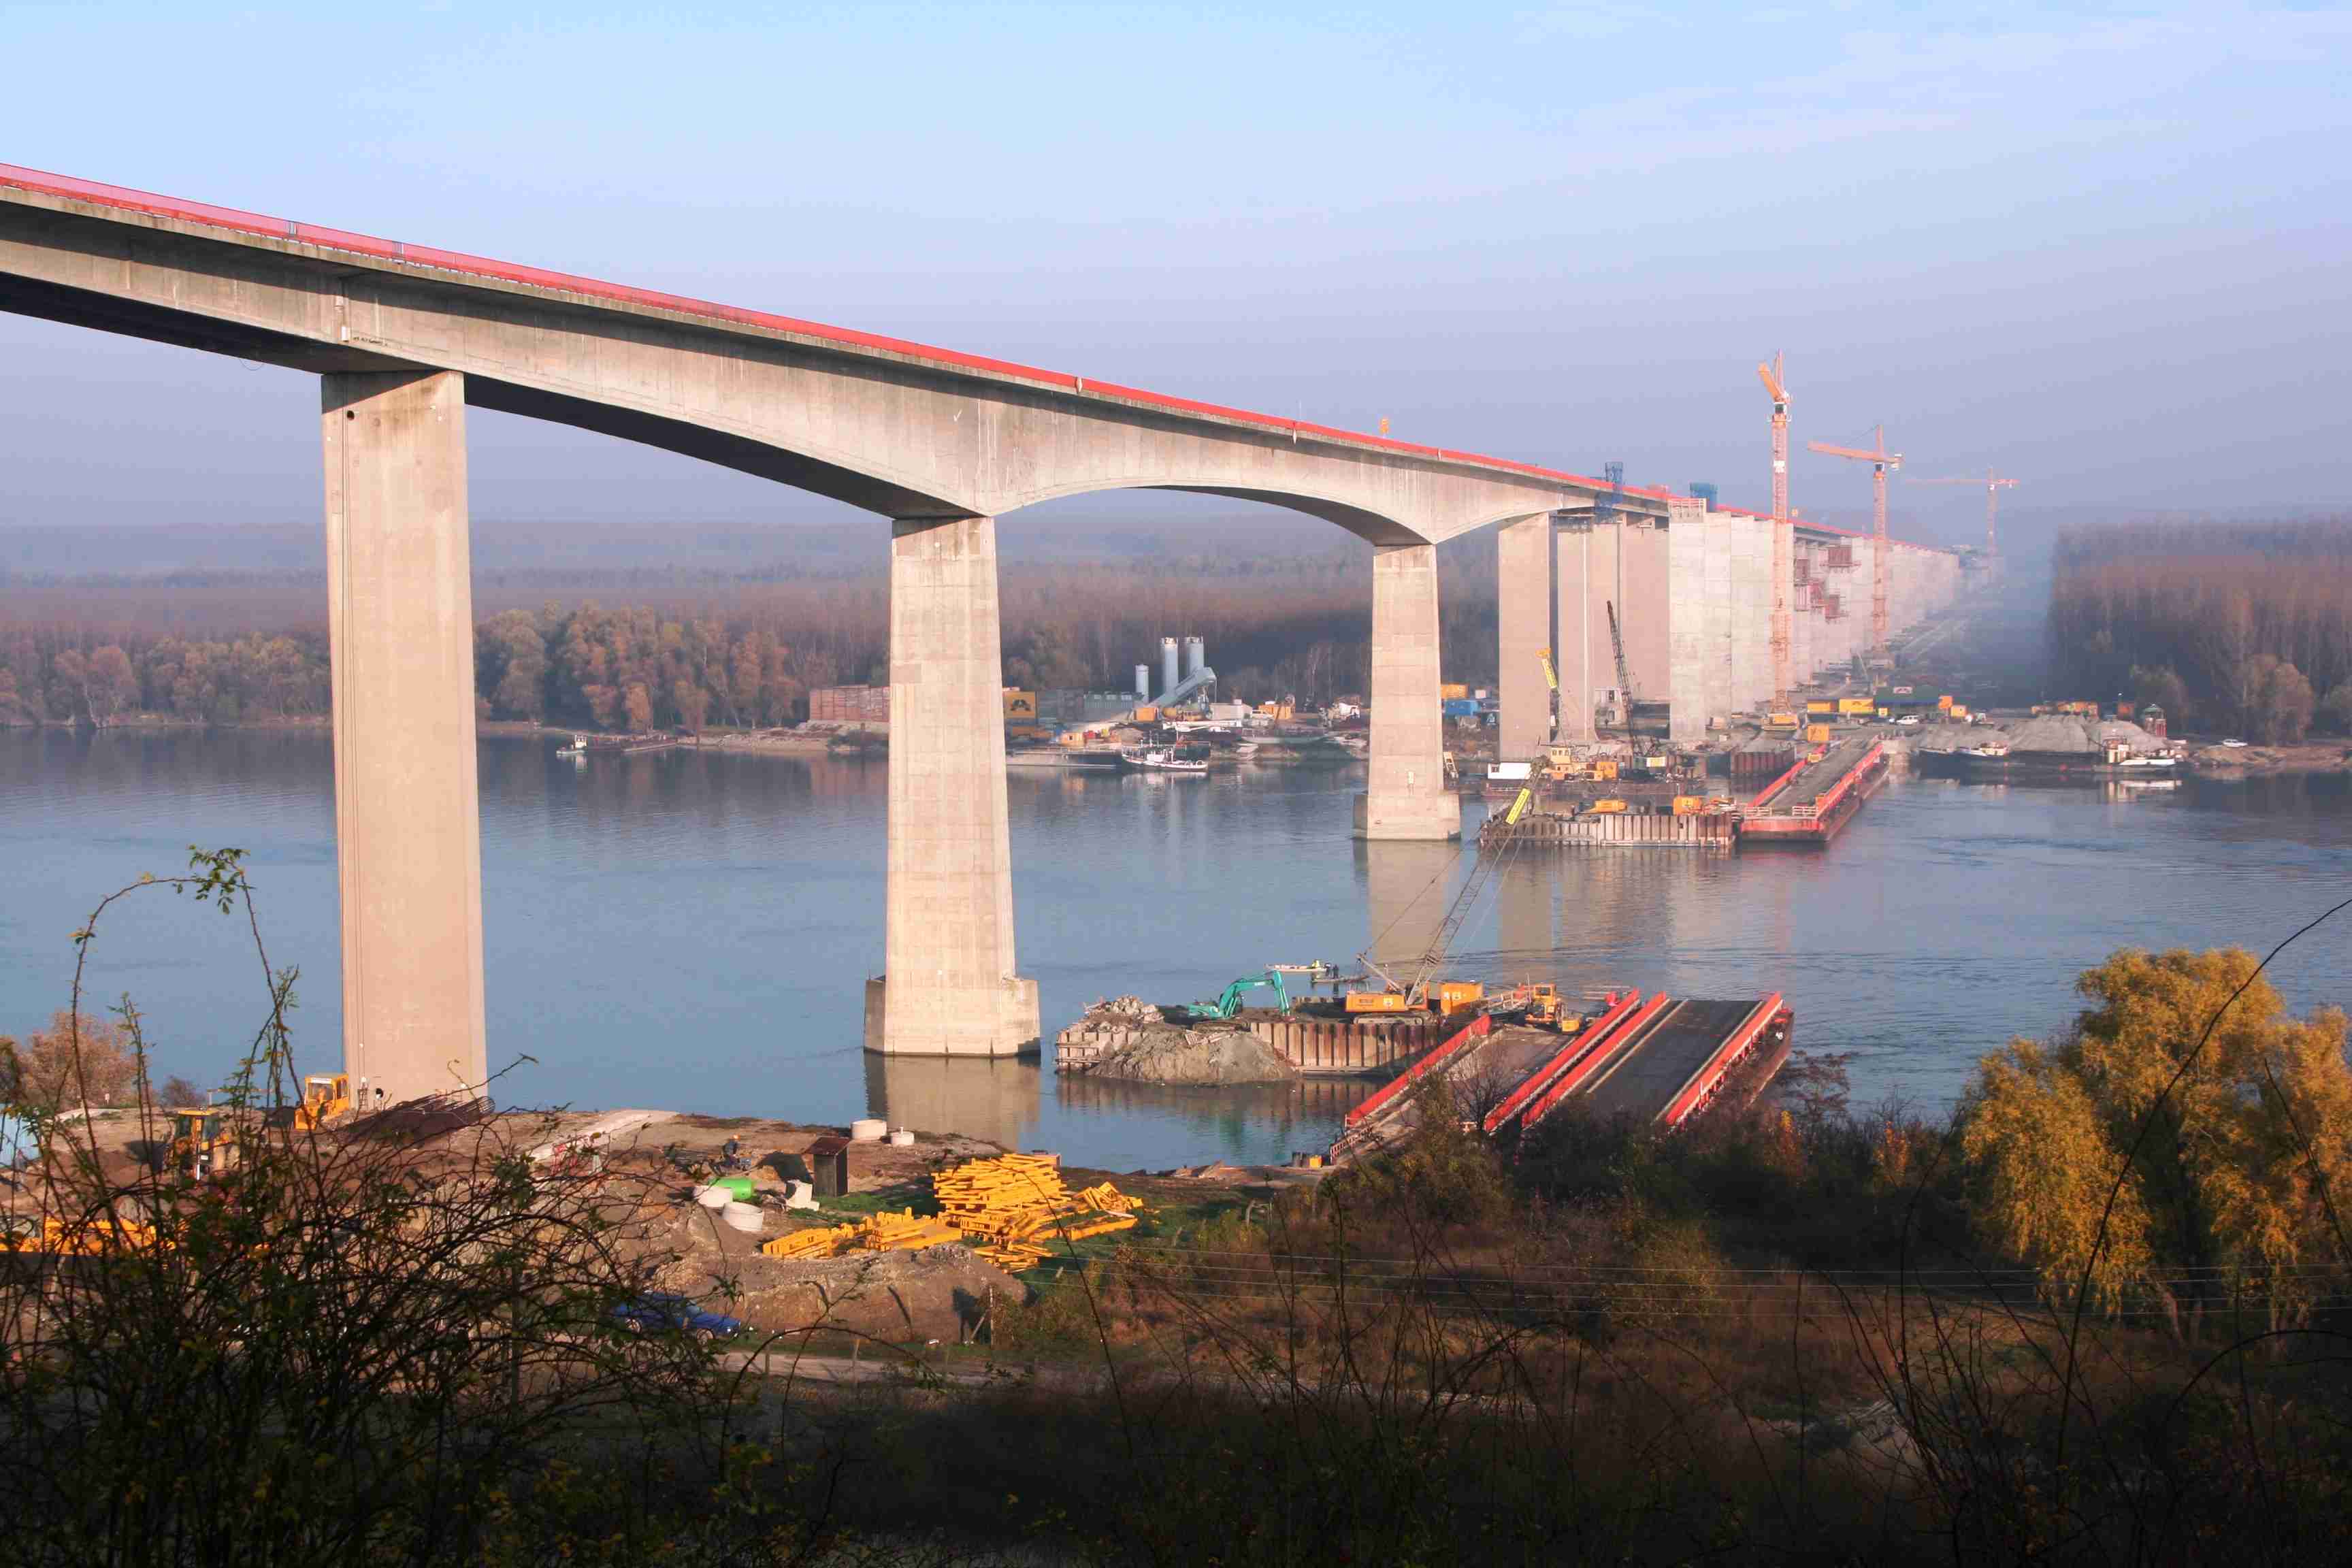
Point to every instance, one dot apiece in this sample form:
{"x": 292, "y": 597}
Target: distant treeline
{"x": 2241, "y": 628}
{"x": 1297, "y": 625}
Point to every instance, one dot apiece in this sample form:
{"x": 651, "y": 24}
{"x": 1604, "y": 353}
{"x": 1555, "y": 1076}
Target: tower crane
{"x": 1993, "y": 485}
{"x": 1781, "y": 538}
{"x": 1880, "y": 460}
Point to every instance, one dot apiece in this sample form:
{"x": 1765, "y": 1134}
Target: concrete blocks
{"x": 1523, "y": 629}
{"x": 948, "y": 986}
{"x": 400, "y": 620}
{"x": 1407, "y": 796}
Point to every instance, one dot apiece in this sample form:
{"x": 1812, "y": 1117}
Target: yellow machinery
{"x": 1609, "y": 807}
{"x": 1452, "y": 996}
{"x": 1856, "y": 707}
{"x": 1780, "y": 721}
{"x": 1378, "y": 1002}
{"x": 207, "y": 1142}
{"x": 1821, "y": 705}
{"x": 79, "y": 1235}
{"x": 325, "y": 1096}
{"x": 1817, "y": 734}
{"x": 1689, "y": 804}
{"x": 1604, "y": 767}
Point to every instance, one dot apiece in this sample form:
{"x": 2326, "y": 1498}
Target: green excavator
{"x": 1229, "y": 1002}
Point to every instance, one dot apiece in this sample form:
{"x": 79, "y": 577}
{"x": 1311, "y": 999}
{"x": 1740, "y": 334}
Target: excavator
{"x": 1229, "y": 1002}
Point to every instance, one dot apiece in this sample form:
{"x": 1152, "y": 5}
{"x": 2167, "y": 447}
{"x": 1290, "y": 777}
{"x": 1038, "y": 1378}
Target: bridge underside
{"x": 939, "y": 443}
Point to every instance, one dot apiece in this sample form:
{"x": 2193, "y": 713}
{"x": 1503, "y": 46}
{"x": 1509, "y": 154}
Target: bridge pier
{"x": 1407, "y": 796}
{"x": 948, "y": 986}
{"x": 400, "y": 622}
{"x": 1523, "y": 627}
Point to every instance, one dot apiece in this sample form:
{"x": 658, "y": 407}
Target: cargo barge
{"x": 1663, "y": 1060}
{"x": 1705, "y": 830}
{"x": 1813, "y": 801}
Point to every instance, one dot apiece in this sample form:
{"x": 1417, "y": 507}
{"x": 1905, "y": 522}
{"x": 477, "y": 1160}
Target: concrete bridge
{"x": 403, "y": 338}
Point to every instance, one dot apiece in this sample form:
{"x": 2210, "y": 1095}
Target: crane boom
{"x": 1993, "y": 484}
{"x": 1624, "y": 673}
{"x": 1880, "y": 460}
{"x": 1782, "y": 539}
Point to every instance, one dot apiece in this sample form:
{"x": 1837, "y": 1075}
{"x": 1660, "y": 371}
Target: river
{"x": 692, "y": 929}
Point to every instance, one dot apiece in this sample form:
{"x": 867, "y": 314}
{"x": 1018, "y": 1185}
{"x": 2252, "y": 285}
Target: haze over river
{"x": 692, "y": 929}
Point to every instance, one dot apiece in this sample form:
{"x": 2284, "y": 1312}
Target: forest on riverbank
{"x": 2242, "y": 627}
{"x": 748, "y": 654}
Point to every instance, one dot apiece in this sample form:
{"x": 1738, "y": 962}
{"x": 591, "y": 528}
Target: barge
{"x": 1659, "y": 1059}
{"x": 1813, "y": 801}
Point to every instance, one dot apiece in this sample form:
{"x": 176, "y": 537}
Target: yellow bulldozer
{"x": 325, "y": 1096}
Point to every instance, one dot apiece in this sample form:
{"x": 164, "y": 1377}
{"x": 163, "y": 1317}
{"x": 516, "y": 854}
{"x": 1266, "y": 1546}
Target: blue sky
{"x": 2102, "y": 247}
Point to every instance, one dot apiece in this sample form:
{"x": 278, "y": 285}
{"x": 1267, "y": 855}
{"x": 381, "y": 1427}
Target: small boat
{"x": 2152, "y": 762}
{"x": 577, "y": 751}
{"x": 1161, "y": 761}
{"x": 1991, "y": 749}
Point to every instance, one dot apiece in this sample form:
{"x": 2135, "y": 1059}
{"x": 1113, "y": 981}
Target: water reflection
{"x": 980, "y": 1097}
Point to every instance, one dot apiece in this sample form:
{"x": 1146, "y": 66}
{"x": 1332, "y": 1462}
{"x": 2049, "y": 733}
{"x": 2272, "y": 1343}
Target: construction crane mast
{"x": 1993, "y": 485}
{"x": 1624, "y": 675}
{"x": 1774, "y": 384}
{"x": 1880, "y": 460}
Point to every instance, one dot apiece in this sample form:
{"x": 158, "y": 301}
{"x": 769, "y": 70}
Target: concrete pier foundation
{"x": 400, "y": 626}
{"x": 947, "y": 985}
{"x": 1407, "y": 796}
{"x": 1523, "y": 628}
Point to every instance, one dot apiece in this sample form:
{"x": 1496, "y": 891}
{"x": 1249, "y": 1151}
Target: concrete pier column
{"x": 1407, "y": 797}
{"x": 1686, "y": 544}
{"x": 1523, "y": 628}
{"x": 948, "y": 986}
{"x": 400, "y": 628}
{"x": 1580, "y": 680}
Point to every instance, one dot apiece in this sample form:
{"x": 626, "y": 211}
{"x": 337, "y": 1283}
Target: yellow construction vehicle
{"x": 207, "y": 1142}
{"x": 325, "y": 1096}
{"x": 1605, "y": 807}
{"x": 1378, "y": 1002}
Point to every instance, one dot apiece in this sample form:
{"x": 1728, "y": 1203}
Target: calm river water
{"x": 692, "y": 930}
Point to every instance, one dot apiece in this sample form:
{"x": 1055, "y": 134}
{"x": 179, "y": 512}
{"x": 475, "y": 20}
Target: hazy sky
{"x": 2105, "y": 248}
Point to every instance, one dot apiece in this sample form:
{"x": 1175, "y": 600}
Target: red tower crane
{"x": 1880, "y": 460}
{"x": 1993, "y": 485}
{"x": 1770, "y": 375}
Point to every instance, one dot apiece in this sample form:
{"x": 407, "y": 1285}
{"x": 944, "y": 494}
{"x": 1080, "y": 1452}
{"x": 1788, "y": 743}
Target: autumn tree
{"x": 48, "y": 1071}
{"x": 2221, "y": 1152}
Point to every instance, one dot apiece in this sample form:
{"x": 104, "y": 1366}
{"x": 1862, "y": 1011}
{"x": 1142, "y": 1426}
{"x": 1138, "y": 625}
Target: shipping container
{"x": 1855, "y": 706}
{"x": 1452, "y": 688}
{"x": 1817, "y": 734}
{"x": 1821, "y": 705}
{"x": 1461, "y": 708}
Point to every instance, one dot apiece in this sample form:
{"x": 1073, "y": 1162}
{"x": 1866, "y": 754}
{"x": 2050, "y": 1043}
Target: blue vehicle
{"x": 663, "y": 1311}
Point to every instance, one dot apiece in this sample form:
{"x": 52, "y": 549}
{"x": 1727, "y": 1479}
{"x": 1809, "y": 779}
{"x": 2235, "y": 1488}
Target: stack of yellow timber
{"x": 821, "y": 1243}
{"x": 1012, "y": 1208}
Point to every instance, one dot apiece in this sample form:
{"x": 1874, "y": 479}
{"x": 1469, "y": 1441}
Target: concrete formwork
{"x": 408, "y": 855}
{"x": 947, "y": 985}
{"x": 1406, "y": 795}
{"x": 1687, "y": 542}
{"x": 1580, "y": 680}
{"x": 1523, "y": 629}
{"x": 1749, "y": 677}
